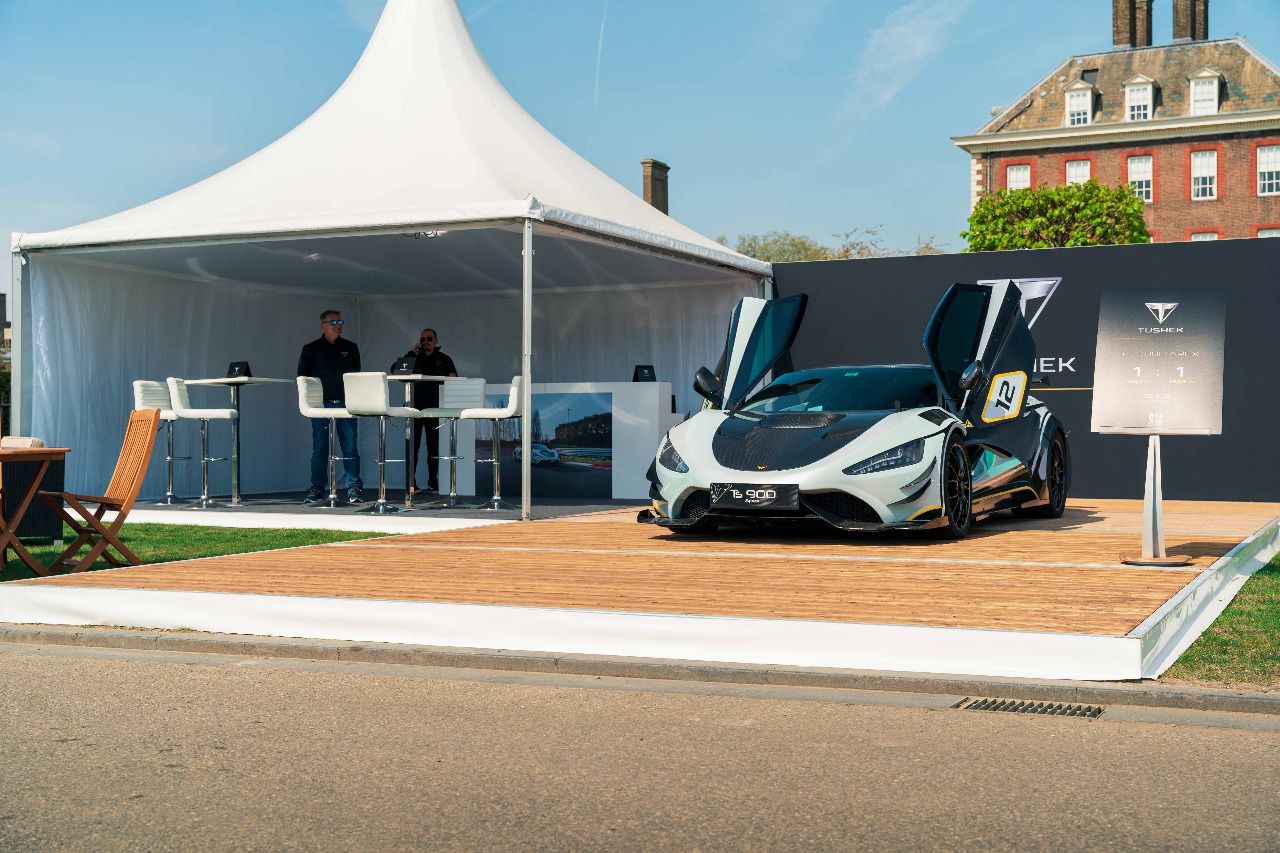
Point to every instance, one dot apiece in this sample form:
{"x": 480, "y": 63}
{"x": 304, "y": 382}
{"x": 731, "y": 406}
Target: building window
{"x": 1078, "y": 171}
{"x": 1204, "y": 175}
{"x": 1138, "y": 102}
{"x": 1269, "y": 232}
{"x": 1269, "y": 170}
{"x": 1018, "y": 177}
{"x": 1204, "y": 96}
{"x": 1198, "y": 236}
{"x": 1079, "y": 107}
{"x": 1140, "y": 177}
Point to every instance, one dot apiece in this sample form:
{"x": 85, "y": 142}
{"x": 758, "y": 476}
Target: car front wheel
{"x": 957, "y": 490}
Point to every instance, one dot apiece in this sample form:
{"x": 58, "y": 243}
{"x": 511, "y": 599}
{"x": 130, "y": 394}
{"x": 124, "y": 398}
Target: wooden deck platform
{"x": 1061, "y": 577}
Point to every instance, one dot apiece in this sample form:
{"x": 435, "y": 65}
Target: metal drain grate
{"x": 1023, "y": 706}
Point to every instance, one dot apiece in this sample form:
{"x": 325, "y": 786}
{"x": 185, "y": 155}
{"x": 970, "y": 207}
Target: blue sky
{"x": 815, "y": 116}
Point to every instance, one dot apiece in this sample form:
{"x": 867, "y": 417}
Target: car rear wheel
{"x": 1056, "y": 478}
{"x": 957, "y": 490}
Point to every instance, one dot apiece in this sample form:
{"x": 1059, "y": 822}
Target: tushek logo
{"x": 1036, "y": 293}
{"x": 1161, "y": 310}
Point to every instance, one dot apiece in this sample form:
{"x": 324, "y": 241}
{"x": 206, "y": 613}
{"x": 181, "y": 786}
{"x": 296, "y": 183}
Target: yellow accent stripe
{"x": 1008, "y": 492}
{"x": 916, "y": 515}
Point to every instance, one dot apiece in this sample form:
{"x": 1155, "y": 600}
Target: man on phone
{"x": 327, "y": 358}
{"x": 428, "y": 360}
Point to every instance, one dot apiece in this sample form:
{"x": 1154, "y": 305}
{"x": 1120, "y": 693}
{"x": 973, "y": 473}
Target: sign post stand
{"x": 1153, "y": 553}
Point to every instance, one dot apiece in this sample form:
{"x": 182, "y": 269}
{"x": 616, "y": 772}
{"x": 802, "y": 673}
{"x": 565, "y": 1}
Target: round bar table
{"x": 234, "y": 383}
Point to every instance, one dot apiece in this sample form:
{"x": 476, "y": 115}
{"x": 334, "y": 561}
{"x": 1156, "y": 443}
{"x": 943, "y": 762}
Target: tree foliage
{"x": 1087, "y": 214}
{"x": 784, "y": 247}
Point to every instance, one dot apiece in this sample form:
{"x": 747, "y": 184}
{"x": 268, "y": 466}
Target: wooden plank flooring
{"x": 1059, "y": 576}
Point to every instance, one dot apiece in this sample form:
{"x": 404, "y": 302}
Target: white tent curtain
{"x": 97, "y": 327}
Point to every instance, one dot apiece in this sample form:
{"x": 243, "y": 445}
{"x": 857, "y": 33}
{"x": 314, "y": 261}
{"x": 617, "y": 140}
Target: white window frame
{"x": 1137, "y": 102}
{"x": 1268, "y": 170}
{"x": 1204, "y": 175}
{"x": 1078, "y": 166}
{"x": 1202, "y": 236}
{"x": 1142, "y": 180}
{"x": 1266, "y": 233}
{"x": 1205, "y": 93}
{"x": 1009, "y": 182}
{"x": 1079, "y": 107}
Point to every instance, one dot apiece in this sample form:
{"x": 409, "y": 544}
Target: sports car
{"x": 875, "y": 447}
{"x": 540, "y": 454}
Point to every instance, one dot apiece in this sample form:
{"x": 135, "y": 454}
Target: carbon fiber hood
{"x": 784, "y": 441}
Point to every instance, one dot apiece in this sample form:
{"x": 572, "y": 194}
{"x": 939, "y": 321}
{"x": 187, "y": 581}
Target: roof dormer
{"x": 1206, "y": 91}
{"x": 1139, "y": 98}
{"x": 1079, "y": 103}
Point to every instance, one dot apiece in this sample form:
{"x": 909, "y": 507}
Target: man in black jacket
{"x": 327, "y": 358}
{"x": 428, "y": 360}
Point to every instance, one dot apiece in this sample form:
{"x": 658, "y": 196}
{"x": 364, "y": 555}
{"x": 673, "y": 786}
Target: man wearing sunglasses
{"x": 428, "y": 360}
{"x": 327, "y": 358}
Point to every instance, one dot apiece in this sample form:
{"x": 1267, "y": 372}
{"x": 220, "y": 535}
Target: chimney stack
{"x": 1190, "y": 20}
{"x": 1142, "y": 23}
{"x": 655, "y": 183}
{"x": 1122, "y": 21}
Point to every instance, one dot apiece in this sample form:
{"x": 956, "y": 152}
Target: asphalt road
{"x": 120, "y": 750}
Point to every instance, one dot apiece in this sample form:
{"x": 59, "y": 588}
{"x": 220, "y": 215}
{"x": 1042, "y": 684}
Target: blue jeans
{"x": 320, "y": 450}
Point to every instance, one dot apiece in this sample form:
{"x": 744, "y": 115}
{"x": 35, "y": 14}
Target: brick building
{"x": 1193, "y": 126}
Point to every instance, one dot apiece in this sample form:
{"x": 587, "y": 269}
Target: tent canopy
{"x": 420, "y": 134}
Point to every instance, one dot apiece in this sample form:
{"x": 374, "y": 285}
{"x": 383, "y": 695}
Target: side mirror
{"x": 972, "y": 376}
{"x": 706, "y": 384}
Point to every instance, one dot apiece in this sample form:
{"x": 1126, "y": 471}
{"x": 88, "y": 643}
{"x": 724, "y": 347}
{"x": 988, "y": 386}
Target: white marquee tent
{"x": 416, "y": 196}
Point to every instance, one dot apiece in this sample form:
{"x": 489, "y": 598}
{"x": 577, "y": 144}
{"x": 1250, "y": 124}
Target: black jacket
{"x": 426, "y": 395}
{"x": 327, "y": 362}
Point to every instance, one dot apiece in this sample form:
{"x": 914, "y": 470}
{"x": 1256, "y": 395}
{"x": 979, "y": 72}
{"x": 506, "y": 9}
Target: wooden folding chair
{"x": 126, "y": 482}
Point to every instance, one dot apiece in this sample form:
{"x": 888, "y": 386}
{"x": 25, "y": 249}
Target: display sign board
{"x": 1158, "y": 364}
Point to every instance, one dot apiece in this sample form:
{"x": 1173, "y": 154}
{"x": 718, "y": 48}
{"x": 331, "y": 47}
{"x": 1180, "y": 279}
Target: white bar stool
{"x": 368, "y": 396}
{"x": 511, "y": 410}
{"x": 311, "y": 405}
{"x": 455, "y": 395}
{"x": 148, "y": 394}
{"x": 182, "y": 408}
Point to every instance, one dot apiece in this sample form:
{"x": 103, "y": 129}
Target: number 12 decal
{"x": 1004, "y": 399}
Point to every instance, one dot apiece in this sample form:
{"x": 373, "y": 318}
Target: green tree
{"x": 1087, "y": 214}
{"x": 783, "y": 246}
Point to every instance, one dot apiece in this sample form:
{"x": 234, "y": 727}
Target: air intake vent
{"x": 841, "y": 506}
{"x": 1023, "y": 706}
{"x": 696, "y": 505}
{"x": 801, "y": 420}
{"x": 935, "y": 416}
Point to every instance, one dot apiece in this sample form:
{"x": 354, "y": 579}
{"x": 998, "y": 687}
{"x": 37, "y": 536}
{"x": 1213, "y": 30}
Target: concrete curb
{"x": 1141, "y": 694}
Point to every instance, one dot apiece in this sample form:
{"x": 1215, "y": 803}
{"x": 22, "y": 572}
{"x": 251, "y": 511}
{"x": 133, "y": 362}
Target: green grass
{"x": 159, "y": 543}
{"x": 1243, "y": 646}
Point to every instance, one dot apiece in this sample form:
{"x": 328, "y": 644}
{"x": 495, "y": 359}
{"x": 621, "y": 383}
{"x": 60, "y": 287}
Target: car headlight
{"x": 898, "y": 457}
{"x": 669, "y": 459}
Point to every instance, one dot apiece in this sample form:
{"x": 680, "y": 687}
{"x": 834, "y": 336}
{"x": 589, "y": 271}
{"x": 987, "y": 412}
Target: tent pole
{"x": 19, "y": 363}
{"x": 526, "y": 388}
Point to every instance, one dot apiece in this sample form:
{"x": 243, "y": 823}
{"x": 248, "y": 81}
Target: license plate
{"x": 754, "y": 496}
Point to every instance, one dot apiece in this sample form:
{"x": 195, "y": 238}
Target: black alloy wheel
{"x": 1056, "y": 477}
{"x": 957, "y": 490}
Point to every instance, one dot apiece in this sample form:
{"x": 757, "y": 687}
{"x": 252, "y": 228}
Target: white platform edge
{"x": 569, "y": 631}
{"x": 317, "y": 519}
{"x": 1171, "y": 630}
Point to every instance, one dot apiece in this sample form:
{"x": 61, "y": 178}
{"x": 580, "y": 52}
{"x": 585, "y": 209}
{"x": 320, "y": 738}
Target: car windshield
{"x": 540, "y": 447}
{"x": 847, "y": 389}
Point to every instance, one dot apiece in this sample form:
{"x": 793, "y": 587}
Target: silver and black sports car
{"x": 877, "y": 447}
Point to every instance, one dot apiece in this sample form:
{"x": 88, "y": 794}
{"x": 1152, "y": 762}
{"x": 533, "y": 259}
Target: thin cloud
{"x": 595, "y": 92}
{"x": 897, "y": 51}
{"x": 479, "y": 13}
{"x": 892, "y": 57}
{"x": 363, "y": 13}
{"x": 33, "y": 143}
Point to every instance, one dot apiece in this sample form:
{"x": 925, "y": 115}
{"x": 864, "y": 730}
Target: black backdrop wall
{"x": 874, "y": 311}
